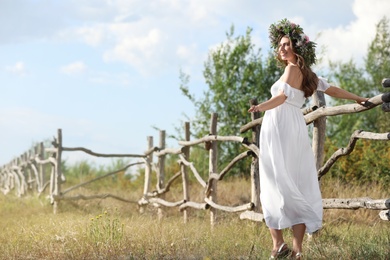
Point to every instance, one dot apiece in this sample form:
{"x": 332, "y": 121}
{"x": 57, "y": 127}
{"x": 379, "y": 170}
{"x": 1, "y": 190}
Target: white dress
{"x": 289, "y": 188}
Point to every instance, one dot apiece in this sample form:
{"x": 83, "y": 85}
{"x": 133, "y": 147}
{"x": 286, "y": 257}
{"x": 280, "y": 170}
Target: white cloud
{"x": 18, "y": 68}
{"x": 189, "y": 53}
{"x": 148, "y": 35}
{"x": 155, "y": 36}
{"x": 93, "y": 36}
{"x": 77, "y": 67}
{"x": 112, "y": 79}
{"x": 137, "y": 50}
{"x": 351, "y": 41}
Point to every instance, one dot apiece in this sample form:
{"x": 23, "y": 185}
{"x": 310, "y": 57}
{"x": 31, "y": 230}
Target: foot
{"x": 281, "y": 252}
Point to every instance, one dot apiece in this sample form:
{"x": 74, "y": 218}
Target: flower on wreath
{"x": 301, "y": 42}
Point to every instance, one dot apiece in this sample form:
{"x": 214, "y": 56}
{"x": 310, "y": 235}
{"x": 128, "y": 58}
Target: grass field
{"x": 110, "y": 229}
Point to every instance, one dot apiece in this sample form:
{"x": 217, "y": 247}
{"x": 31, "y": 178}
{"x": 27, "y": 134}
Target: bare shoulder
{"x": 292, "y": 71}
{"x": 293, "y": 76}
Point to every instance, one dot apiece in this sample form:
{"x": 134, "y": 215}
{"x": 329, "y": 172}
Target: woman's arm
{"x": 269, "y": 104}
{"x": 341, "y": 93}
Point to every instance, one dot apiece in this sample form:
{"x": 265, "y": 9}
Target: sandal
{"x": 298, "y": 255}
{"x": 282, "y": 252}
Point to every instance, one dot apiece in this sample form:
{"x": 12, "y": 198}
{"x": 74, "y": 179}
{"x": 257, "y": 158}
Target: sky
{"x": 106, "y": 72}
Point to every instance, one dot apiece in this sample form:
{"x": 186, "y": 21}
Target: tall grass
{"x": 110, "y": 229}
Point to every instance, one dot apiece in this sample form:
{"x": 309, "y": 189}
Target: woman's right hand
{"x": 361, "y": 100}
{"x": 252, "y": 109}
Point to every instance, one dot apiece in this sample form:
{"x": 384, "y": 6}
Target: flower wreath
{"x": 302, "y": 45}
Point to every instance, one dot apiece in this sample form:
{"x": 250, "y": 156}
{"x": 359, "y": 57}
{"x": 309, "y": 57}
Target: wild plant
{"x": 106, "y": 227}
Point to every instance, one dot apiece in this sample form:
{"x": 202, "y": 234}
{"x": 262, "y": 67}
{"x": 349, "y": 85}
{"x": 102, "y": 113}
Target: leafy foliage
{"x": 364, "y": 82}
{"x": 235, "y": 73}
{"x": 378, "y": 66}
{"x": 370, "y": 160}
{"x": 368, "y": 163}
{"x": 378, "y": 57}
{"x": 350, "y": 78}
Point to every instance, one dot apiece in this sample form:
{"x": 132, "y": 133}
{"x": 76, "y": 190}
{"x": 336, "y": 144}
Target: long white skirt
{"x": 289, "y": 187}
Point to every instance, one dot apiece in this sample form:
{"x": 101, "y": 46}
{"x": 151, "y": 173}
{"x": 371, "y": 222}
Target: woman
{"x": 290, "y": 193}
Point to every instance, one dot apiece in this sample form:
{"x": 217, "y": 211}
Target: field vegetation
{"x": 111, "y": 229}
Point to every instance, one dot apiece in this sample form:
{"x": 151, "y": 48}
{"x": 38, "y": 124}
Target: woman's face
{"x": 285, "y": 51}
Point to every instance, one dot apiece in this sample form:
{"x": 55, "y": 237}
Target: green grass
{"x": 110, "y": 229}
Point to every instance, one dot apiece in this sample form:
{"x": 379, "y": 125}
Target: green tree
{"x": 378, "y": 67}
{"x": 369, "y": 160}
{"x": 348, "y": 77}
{"x": 235, "y": 73}
{"x": 364, "y": 82}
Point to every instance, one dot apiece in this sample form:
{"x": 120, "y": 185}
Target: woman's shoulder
{"x": 293, "y": 76}
{"x": 291, "y": 68}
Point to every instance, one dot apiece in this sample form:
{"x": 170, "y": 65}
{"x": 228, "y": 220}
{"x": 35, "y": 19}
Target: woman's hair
{"x": 310, "y": 79}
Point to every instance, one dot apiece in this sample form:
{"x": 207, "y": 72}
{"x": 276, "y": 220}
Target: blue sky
{"x": 107, "y": 71}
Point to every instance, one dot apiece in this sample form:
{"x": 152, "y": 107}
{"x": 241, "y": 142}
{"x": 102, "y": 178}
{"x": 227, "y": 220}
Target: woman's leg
{"x": 298, "y": 234}
{"x": 277, "y": 239}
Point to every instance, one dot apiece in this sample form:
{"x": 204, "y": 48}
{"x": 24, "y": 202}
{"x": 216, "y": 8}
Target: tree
{"x": 369, "y": 161}
{"x": 364, "y": 82}
{"x": 378, "y": 66}
{"x": 234, "y": 73}
{"x": 350, "y": 78}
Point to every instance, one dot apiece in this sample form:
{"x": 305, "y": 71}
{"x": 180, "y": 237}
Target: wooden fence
{"x": 39, "y": 168}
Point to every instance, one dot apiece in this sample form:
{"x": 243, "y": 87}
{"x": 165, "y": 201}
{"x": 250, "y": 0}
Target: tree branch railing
{"x": 99, "y": 178}
{"x": 15, "y": 174}
{"x": 358, "y": 134}
{"x": 326, "y": 111}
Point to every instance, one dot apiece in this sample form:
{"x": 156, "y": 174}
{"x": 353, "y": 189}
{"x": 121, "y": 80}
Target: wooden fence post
{"x": 184, "y": 171}
{"x": 37, "y": 176}
{"x": 161, "y": 172}
{"x": 41, "y": 156}
{"x": 57, "y": 172}
{"x": 319, "y": 128}
{"x": 148, "y": 170}
{"x": 213, "y": 163}
{"x": 19, "y": 176}
{"x": 31, "y": 182}
{"x": 24, "y": 171}
{"x": 34, "y": 170}
{"x": 12, "y": 174}
{"x": 2, "y": 179}
{"x": 255, "y": 176}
